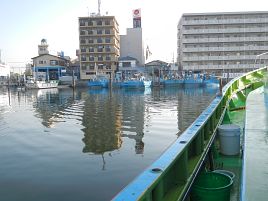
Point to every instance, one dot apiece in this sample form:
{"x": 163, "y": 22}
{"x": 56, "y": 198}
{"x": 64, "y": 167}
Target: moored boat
{"x": 173, "y": 82}
{"x": 211, "y": 81}
{"x": 99, "y": 81}
{"x": 31, "y": 84}
{"x": 132, "y": 83}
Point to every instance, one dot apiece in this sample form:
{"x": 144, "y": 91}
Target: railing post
{"x": 220, "y": 87}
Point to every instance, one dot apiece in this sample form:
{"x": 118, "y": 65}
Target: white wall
{"x": 132, "y": 45}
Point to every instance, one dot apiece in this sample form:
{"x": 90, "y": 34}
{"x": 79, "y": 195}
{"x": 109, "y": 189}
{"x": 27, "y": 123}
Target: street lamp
{"x": 258, "y": 56}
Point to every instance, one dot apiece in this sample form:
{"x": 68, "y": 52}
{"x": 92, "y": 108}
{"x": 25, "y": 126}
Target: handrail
{"x": 171, "y": 176}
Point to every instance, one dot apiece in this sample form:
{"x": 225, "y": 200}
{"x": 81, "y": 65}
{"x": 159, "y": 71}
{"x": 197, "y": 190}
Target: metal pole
{"x": 73, "y": 80}
{"x": 220, "y": 82}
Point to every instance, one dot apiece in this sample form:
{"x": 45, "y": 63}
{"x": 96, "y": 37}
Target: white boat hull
{"x": 41, "y": 85}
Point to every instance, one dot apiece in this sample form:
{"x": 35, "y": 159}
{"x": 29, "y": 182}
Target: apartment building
{"x": 99, "y": 46}
{"x": 222, "y": 42}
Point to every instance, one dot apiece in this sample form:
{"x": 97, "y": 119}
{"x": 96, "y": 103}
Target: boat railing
{"x": 172, "y": 175}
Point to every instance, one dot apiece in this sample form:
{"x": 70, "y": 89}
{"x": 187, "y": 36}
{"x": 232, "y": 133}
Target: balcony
{"x": 225, "y": 21}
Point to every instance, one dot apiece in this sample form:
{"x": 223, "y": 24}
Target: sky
{"x": 24, "y": 23}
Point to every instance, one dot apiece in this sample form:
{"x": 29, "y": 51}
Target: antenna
{"x": 99, "y": 5}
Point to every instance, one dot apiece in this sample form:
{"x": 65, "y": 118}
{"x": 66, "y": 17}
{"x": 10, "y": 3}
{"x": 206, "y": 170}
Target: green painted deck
{"x": 253, "y": 122}
{"x": 255, "y": 172}
{"x": 233, "y": 163}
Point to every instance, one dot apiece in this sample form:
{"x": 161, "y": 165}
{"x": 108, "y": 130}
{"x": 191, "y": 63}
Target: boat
{"x": 41, "y": 84}
{"x": 99, "y": 81}
{"x": 133, "y": 83}
{"x": 173, "y": 82}
{"x": 211, "y": 80}
{"x": 195, "y": 79}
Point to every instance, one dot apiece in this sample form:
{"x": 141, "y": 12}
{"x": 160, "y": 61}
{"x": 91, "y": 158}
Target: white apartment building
{"x": 222, "y": 42}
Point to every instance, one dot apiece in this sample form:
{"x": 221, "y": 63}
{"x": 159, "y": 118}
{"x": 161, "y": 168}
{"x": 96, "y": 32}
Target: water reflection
{"x": 102, "y": 122}
{"x": 116, "y": 126}
{"x": 50, "y": 104}
{"x": 4, "y": 107}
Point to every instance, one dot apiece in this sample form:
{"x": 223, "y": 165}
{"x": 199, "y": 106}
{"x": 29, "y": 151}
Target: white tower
{"x": 43, "y": 48}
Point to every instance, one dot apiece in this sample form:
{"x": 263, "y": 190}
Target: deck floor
{"x": 255, "y": 171}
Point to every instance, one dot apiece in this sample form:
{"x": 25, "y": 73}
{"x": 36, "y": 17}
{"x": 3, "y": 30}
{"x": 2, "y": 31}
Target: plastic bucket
{"x": 229, "y": 139}
{"x": 226, "y": 172}
{"x": 212, "y": 186}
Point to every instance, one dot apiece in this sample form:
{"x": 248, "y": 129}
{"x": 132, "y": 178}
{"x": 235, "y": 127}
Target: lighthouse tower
{"x": 43, "y": 48}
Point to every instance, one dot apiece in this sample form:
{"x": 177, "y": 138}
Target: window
{"x": 107, "y": 49}
{"x": 54, "y": 62}
{"x": 83, "y": 49}
{"x": 99, "y": 40}
{"x": 40, "y": 62}
{"x": 107, "y": 31}
{"x": 91, "y": 58}
{"x": 126, "y": 64}
{"x": 91, "y": 49}
{"x": 83, "y": 57}
{"x": 100, "y": 66}
{"x": 90, "y": 41}
{"x": 108, "y": 58}
{"x": 90, "y": 73}
{"x": 99, "y": 31}
{"x": 82, "y": 23}
{"x": 90, "y": 23}
{"x": 83, "y": 67}
{"x": 83, "y": 41}
{"x": 107, "y": 40}
{"x": 107, "y": 22}
{"x": 91, "y": 66}
{"x": 90, "y": 32}
{"x": 82, "y": 32}
{"x": 100, "y": 58}
{"x": 100, "y": 48}
{"x": 99, "y": 22}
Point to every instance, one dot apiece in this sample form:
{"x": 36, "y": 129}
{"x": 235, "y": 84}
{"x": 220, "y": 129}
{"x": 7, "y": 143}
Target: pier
{"x": 172, "y": 176}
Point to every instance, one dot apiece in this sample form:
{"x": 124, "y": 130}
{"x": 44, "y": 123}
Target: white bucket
{"x": 229, "y": 139}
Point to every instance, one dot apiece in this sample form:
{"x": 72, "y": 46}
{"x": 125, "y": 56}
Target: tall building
{"x": 222, "y": 42}
{"x": 131, "y": 44}
{"x": 99, "y": 45}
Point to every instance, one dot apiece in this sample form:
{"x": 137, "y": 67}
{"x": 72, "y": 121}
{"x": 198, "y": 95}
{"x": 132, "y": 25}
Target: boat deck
{"x": 255, "y": 172}
{"x": 250, "y": 166}
{"x": 233, "y": 163}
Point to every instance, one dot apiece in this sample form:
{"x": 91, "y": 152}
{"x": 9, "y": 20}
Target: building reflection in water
{"x": 133, "y": 116}
{"x": 102, "y": 123}
{"x": 51, "y": 104}
{"x": 111, "y": 116}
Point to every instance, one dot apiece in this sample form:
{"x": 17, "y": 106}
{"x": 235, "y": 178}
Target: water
{"x": 56, "y": 144}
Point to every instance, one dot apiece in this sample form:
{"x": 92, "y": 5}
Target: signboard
{"x": 137, "y": 13}
{"x": 136, "y": 18}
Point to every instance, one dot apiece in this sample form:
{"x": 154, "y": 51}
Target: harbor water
{"x": 60, "y": 144}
